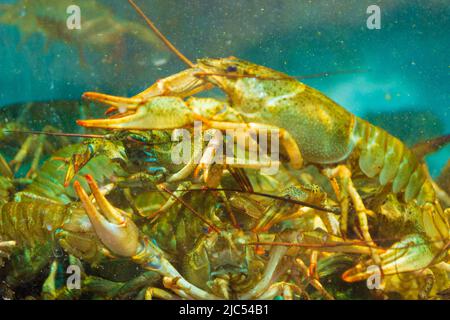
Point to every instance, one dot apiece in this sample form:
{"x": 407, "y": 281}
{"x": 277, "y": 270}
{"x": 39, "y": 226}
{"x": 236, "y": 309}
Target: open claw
{"x": 110, "y": 110}
{"x": 411, "y": 254}
{"x": 89, "y": 150}
{"x": 120, "y": 103}
{"x": 126, "y": 122}
{"x": 116, "y": 231}
{"x": 75, "y": 164}
{"x": 158, "y": 113}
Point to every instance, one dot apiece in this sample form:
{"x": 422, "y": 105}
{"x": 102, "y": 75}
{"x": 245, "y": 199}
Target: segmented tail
{"x": 382, "y": 155}
{"x": 385, "y": 156}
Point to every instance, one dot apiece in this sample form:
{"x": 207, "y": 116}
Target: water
{"x": 396, "y": 76}
{"x": 405, "y": 59}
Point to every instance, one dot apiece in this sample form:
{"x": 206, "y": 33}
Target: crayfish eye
{"x": 91, "y": 148}
{"x": 231, "y": 69}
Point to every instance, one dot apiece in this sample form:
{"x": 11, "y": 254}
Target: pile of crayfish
{"x": 349, "y": 212}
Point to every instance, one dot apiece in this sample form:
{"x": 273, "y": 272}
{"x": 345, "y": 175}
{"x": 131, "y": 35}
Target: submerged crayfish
{"x": 312, "y": 128}
{"x": 226, "y": 258}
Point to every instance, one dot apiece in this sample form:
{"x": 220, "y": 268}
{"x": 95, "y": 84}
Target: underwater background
{"x": 396, "y": 77}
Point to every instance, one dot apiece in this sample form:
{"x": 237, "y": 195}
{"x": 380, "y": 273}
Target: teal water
{"x": 404, "y": 84}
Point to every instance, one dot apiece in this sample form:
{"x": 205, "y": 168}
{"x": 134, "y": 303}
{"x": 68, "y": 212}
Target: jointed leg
{"x": 23, "y": 152}
{"x": 290, "y": 145}
{"x": 285, "y": 290}
{"x": 343, "y": 199}
{"x": 158, "y": 293}
{"x": 276, "y": 255}
{"x": 344, "y": 175}
{"x": 39, "y": 148}
{"x": 312, "y": 280}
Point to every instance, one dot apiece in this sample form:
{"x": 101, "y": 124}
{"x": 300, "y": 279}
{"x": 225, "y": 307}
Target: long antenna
{"x": 198, "y": 215}
{"x": 306, "y": 76}
{"x": 428, "y": 146}
{"x": 271, "y": 196}
{"x": 266, "y": 195}
{"x": 59, "y": 134}
{"x": 161, "y": 36}
{"x": 331, "y": 73}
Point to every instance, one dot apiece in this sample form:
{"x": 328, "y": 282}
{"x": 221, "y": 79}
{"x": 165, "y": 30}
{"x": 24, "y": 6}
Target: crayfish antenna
{"x": 426, "y": 147}
{"x": 58, "y": 134}
{"x": 158, "y": 33}
{"x": 190, "y": 208}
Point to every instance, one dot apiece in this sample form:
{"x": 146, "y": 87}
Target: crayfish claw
{"x": 116, "y": 231}
{"x": 74, "y": 165}
{"x": 411, "y": 254}
{"x": 158, "y": 113}
{"x": 120, "y": 103}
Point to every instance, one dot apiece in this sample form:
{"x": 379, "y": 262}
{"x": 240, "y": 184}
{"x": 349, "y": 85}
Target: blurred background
{"x": 401, "y": 79}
